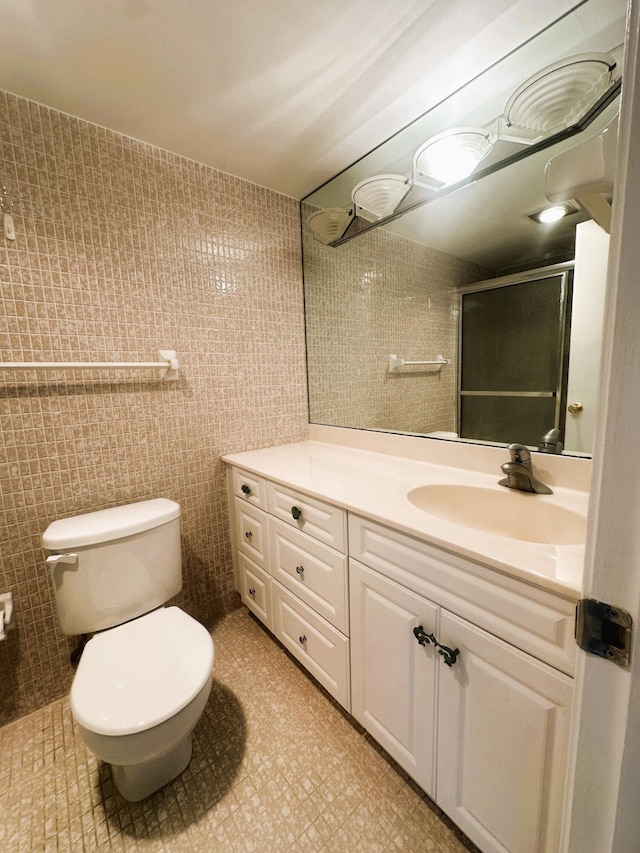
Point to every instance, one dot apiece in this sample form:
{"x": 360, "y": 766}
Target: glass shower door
{"x": 513, "y": 359}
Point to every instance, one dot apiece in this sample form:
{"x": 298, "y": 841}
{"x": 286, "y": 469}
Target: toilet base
{"x": 137, "y": 781}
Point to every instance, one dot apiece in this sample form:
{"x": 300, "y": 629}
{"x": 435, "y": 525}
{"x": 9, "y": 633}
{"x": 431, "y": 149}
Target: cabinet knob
{"x": 299, "y": 570}
{"x": 245, "y": 489}
{"x": 450, "y": 655}
{"x": 575, "y": 408}
{"x": 303, "y": 639}
{"x": 248, "y": 534}
{"x": 296, "y": 513}
{"x": 252, "y": 592}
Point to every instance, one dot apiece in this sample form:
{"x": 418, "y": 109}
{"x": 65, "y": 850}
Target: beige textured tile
{"x": 277, "y": 766}
{"x": 360, "y": 309}
{"x": 123, "y": 249}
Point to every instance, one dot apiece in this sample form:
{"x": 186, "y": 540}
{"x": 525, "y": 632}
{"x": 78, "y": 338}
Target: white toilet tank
{"x": 115, "y": 564}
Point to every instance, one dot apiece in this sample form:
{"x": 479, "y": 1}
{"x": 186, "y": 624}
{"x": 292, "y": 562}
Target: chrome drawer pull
{"x": 299, "y": 570}
{"x": 248, "y": 534}
{"x": 303, "y": 639}
{"x": 252, "y": 592}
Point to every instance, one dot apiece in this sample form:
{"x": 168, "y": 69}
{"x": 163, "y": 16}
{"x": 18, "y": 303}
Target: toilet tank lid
{"x": 106, "y": 525}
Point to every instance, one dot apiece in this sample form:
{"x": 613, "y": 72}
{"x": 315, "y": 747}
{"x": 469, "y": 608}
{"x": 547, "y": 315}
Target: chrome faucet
{"x": 520, "y": 474}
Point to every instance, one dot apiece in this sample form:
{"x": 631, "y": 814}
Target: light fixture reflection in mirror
{"x": 451, "y": 156}
{"x": 329, "y": 225}
{"x": 393, "y": 285}
{"x": 557, "y": 96}
{"x": 380, "y": 195}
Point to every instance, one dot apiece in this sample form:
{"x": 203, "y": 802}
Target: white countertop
{"x": 375, "y": 485}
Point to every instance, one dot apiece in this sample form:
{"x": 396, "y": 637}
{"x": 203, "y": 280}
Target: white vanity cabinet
{"x": 291, "y": 570}
{"x": 461, "y": 672}
{"x": 486, "y": 737}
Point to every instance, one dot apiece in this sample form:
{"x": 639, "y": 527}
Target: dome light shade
{"x": 330, "y": 225}
{"x": 451, "y": 156}
{"x": 557, "y": 97}
{"x": 380, "y": 195}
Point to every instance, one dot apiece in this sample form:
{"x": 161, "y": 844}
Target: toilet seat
{"x": 137, "y": 675}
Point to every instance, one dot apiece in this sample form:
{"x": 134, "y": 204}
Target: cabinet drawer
{"x": 534, "y": 620}
{"x": 249, "y": 487}
{"x": 317, "y": 519}
{"x": 314, "y": 572}
{"x": 255, "y": 590}
{"x": 251, "y": 531}
{"x": 319, "y": 647}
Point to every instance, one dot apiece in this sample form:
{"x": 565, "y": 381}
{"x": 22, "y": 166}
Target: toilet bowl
{"x": 145, "y": 676}
{"x": 139, "y": 691}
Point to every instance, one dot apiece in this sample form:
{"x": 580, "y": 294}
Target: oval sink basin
{"x": 509, "y": 513}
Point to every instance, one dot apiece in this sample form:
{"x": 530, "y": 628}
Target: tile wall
{"x": 375, "y": 295}
{"x": 123, "y": 249}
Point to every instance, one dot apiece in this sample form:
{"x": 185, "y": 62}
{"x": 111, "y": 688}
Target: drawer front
{"x": 319, "y": 647}
{"x": 320, "y": 520}
{"x": 251, "y": 531}
{"x": 249, "y": 487}
{"x": 531, "y": 619}
{"x": 255, "y": 590}
{"x": 314, "y": 572}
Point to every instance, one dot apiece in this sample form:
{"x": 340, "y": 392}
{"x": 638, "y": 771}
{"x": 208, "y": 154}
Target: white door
{"x": 603, "y": 813}
{"x": 587, "y": 309}
{"x": 393, "y": 678}
{"x": 503, "y": 724}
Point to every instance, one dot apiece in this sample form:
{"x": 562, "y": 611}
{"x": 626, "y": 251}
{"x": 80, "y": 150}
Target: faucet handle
{"x": 519, "y": 453}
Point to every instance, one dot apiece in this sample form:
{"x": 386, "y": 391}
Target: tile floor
{"x": 277, "y": 766}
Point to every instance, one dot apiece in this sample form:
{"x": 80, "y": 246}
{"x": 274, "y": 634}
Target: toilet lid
{"x": 139, "y": 674}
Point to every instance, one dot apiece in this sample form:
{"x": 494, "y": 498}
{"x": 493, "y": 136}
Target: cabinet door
{"x": 393, "y": 678}
{"x": 502, "y": 742}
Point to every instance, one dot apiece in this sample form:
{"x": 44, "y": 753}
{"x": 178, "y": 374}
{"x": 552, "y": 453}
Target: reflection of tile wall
{"x": 375, "y": 295}
{"x": 123, "y": 249}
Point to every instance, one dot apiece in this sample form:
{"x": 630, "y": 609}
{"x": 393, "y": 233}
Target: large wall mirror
{"x": 437, "y": 301}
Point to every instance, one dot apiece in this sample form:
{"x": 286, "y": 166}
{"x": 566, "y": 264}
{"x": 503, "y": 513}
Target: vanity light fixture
{"x": 552, "y": 214}
{"x": 556, "y": 97}
{"x": 330, "y": 225}
{"x": 380, "y": 195}
{"x": 453, "y": 155}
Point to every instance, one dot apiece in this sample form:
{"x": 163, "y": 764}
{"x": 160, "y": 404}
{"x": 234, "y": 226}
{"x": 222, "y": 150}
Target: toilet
{"x": 145, "y": 675}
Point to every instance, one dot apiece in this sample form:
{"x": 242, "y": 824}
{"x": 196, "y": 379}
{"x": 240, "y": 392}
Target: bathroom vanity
{"x": 452, "y": 644}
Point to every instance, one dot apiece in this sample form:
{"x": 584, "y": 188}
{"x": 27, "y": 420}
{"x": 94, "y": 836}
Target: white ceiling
{"x": 284, "y": 93}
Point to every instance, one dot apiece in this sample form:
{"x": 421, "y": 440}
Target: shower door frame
{"x": 562, "y": 270}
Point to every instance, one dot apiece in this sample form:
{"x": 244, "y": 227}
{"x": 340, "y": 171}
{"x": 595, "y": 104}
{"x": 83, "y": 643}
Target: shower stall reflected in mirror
{"x": 514, "y": 356}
